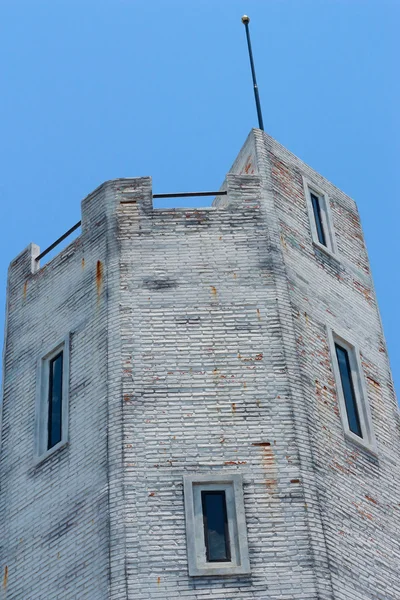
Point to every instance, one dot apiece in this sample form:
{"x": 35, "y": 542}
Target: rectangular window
{"x": 351, "y": 392}
{"x": 55, "y": 401}
{"x": 348, "y": 390}
{"x": 216, "y": 532}
{"x": 318, "y": 218}
{"x": 51, "y": 423}
{"x": 319, "y": 213}
{"x": 215, "y": 525}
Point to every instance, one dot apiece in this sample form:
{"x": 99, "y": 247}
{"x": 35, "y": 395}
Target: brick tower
{"x": 198, "y": 403}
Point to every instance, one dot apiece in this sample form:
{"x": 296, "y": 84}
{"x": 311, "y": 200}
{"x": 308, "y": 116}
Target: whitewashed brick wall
{"x": 199, "y": 344}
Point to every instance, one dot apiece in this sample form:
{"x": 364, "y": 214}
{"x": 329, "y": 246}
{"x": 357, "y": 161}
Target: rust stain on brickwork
{"x": 235, "y": 462}
{"x": 248, "y": 166}
{"x": 365, "y": 291}
{"x": 257, "y": 357}
{"x": 5, "y": 578}
{"x": 288, "y": 181}
{"x": 99, "y": 278}
{"x": 364, "y": 514}
{"x": 325, "y": 398}
{"x": 83, "y": 263}
{"x": 373, "y": 381}
{"x": 25, "y": 289}
{"x": 371, "y": 499}
{"x": 213, "y": 290}
{"x": 268, "y": 462}
{"x": 338, "y": 467}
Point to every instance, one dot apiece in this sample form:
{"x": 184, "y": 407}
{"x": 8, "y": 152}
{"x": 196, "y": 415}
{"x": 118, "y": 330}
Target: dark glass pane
{"x": 55, "y": 400}
{"x": 216, "y": 532}
{"x": 318, "y": 219}
{"x": 348, "y": 390}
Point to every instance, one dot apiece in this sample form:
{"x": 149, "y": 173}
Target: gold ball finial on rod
{"x": 245, "y": 19}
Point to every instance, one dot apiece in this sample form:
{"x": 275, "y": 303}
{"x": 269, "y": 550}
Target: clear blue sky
{"x": 97, "y": 89}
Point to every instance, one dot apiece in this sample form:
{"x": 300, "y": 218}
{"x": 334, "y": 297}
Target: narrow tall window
{"x": 316, "y": 204}
{"x": 319, "y": 213}
{"x": 346, "y": 378}
{"x": 54, "y": 422}
{"x": 52, "y": 392}
{"x": 216, "y": 532}
{"x": 351, "y": 392}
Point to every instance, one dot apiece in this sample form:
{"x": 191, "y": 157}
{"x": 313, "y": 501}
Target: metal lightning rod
{"x": 246, "y": 21}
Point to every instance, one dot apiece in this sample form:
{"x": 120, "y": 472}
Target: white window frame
{"x": 232, "y": 484}
{"x": 42, "y": 401}
{"x": 326, "y": 217}
{"x": 368, "y": 440}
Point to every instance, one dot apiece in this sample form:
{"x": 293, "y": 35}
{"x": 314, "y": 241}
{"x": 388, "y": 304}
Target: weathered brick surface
{"x": 199, "y": 344}
{"x": 358, "y": 491}
{"x": 54, "y": 516}
{"x": 205, "y": 388}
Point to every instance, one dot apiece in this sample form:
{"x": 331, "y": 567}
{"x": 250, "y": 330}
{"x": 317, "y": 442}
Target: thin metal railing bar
{"x": 60, "y": 239}
{"x": 189, "y": 194}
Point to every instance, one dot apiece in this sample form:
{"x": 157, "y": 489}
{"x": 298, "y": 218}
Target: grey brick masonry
{"x": 199, "y": 343}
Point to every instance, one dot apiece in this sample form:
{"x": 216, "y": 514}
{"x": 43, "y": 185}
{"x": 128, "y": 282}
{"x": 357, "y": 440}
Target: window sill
{"x": 38, "y": 460}
{"x": 208, "y": 571}
{"x": 363, "y": 444}
{"x": 326, "y": 251}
